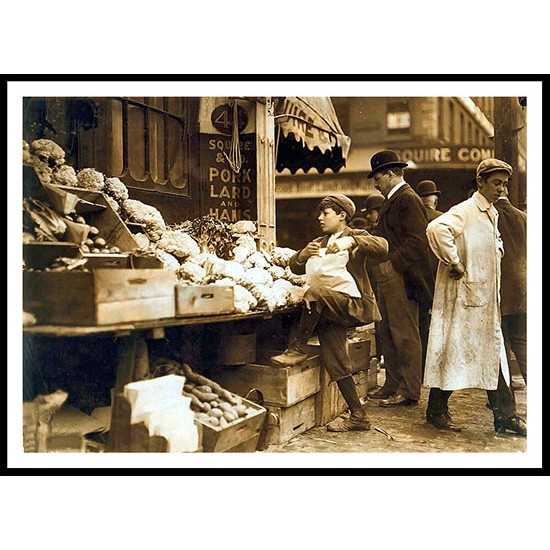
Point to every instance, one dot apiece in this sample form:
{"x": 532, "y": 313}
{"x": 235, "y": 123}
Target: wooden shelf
{"x": 123, "y": 329}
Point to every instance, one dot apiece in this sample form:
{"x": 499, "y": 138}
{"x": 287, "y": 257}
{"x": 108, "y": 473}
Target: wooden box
{"x": 125, "y": 437}
{"x": 237, "y": 349}
{"x": 242, "y": 435}
{"x": 198, "y": 300}
{"x": 98, "y": 297}
{"x": 288, "y": 422}
{"x": 359, "y": 354}
{"x": 329, "y": 402}
{"x": 111, "y": 226}
{"x": 280, "y": 386}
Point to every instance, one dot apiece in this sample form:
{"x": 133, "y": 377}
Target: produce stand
{"x": 150, "y": 210}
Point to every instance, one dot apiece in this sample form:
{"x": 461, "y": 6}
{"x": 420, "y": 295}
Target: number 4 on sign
{"x": 223, "y": 119}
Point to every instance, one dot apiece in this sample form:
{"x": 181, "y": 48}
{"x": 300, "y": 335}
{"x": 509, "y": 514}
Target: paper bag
{"x": 329, "y": 271}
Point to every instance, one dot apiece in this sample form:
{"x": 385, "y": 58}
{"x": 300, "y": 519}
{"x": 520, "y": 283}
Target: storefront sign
{"x": 442, "y": 155}
{"x": 227, "y": 195}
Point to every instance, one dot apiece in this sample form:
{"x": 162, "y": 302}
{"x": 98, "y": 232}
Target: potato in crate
{"x": 230, "y": 423}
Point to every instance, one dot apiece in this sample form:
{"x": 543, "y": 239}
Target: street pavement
{"x": 410, "y": 433}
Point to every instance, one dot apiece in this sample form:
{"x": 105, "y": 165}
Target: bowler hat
{"x": 343, "y": 202}
{"x": 493, "y": 165}
{"x": 385, "y": 159}
{"x": 427, "y": 187}
{"x": 374, "y": 200}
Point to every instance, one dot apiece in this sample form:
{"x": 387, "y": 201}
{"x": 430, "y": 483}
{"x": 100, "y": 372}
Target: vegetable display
{"x": 201, "y": 251}
{"x": 213, "y": 405}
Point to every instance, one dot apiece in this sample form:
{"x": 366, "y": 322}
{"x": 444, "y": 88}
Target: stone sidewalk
{"x": 410, "y": 433}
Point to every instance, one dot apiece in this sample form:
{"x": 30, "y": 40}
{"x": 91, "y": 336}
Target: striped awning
{"x": 309, "y": 135}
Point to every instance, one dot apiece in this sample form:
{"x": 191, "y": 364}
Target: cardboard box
{"x": 196, "y": 300}
{"x": 98, "y": 297}
{"x": 280, "y": 386}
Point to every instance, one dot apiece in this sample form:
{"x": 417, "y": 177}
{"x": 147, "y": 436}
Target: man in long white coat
{"x": 466, "y": 347}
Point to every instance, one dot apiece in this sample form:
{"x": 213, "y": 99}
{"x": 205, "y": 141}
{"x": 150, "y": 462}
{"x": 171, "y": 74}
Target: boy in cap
{"x": 466, "y": 347}
{"x": 336, "y": 303}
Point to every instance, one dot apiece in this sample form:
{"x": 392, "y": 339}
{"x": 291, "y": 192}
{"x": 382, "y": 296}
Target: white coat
{"x": 465, "y": 345}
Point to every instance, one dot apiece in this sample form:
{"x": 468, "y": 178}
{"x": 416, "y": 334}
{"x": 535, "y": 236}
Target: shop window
{"x": 398, "y": 118}
{"x": 142, "y": 140}
{"x": 153, "y": 153}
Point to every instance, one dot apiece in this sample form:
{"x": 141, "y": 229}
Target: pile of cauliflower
{"x": 260, "y": 280}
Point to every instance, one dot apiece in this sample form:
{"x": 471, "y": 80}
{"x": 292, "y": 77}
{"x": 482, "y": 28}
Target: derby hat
{"x": 383, "y": 160}
{"x": 374, "y": 200}
{"x": 493, "y": 165}
{"x": 427, "y": 187}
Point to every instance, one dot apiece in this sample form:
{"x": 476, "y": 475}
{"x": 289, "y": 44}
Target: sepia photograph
{"x": 276, "y": 280}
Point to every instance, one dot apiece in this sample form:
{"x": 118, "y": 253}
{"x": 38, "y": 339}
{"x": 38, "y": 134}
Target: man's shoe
{"x": 442, "y": 421}
{"x": 294, "y": 355}
{"x": 514, "y": 424}
{"x": 357, "y": 422}
{"x": 379, "y": 393}
{"x": 398, "y": 400}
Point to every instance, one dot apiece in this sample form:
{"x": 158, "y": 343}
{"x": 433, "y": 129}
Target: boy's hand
{"x": 345, "y": 243}
{"x": 312, "y": 249}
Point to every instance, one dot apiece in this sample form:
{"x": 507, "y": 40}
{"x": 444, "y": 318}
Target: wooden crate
{"x": 288, "y": 422}
{"x": 280, "y": 386}
{"x": 239, "y": 436}
{"x": 111, "y": 226}
{"x": 196, "y": 300}
{"x": 125, "y": 437}
{"x": 98, "y": 297}
{"x": 330, "y": 403}
{"x": 359, "y": 354}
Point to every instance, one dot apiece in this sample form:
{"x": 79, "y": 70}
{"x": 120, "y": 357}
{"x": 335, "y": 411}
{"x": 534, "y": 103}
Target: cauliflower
{"x": 64, "y": 175}
{"x": 276, "y": 272}
{"x": 189, "y": 271}
{"x": 240, "y": 254}
{"x": 179, "y": 244}
{"x": 113, "y": 203}
{"x": 256, "y": 276}
{"x": 298, "y": 280}
{"x": 88, "y": 178}
{"x": 224, "y": 282}
{"x": 116, "y": 189}
{"x": 143, "y": 242}
{"x": 48, "y": 152}
{"x": 257, "y": 259}
{"x": 148, "y": 216}
{"x": 296, "y": 294}
{"x": 243, "y": 226}
{"x": 248, "y": 242}
{"x": 269, "y": 297}
{"x": 244, "y": 300}
{"x": 282, "y": 284}
{"x": 281, "y": 256}
{"x": 224, "y": 268}
{"x": 168, "y": 261}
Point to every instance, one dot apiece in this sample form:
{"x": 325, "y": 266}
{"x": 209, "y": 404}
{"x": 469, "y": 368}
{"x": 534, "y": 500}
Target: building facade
{"x": 442, "y": 139}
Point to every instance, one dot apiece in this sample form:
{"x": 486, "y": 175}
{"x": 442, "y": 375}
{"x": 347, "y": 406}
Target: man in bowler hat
{"x": 405, "y": 281}
{"x": 429, "y": 193}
